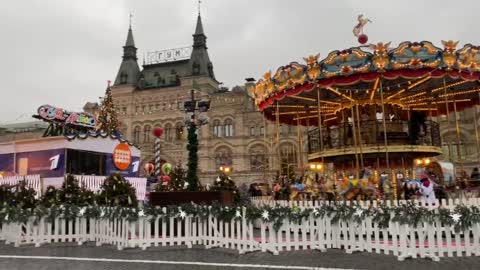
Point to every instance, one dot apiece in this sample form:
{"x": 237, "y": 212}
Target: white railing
{"x": 32, "y": 181}
{"x": 94, "y": 183}
{"x": 427, "y": 240}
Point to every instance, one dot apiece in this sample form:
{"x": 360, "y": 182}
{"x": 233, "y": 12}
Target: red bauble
{"x": 157, "y": 132}
{"x": 362, "y": 39}
{"x": 166, "y": 178}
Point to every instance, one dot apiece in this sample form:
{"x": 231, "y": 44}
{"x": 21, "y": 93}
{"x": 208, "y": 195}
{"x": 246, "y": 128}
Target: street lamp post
{"x": 192, "y": 106}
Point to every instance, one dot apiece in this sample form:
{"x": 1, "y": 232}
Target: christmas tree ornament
{"x": 265, "y": 215}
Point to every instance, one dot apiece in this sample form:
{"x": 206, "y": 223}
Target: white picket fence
{"x": 315, "y": 233}
{"x": 94, "y": 183}
{"x": 32, "y": 181}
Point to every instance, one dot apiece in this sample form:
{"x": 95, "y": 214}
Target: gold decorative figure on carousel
{"x": 449, "y": 55}
{"x": 358, "y": 29}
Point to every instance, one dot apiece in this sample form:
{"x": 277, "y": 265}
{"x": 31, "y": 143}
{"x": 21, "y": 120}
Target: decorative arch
{"x": 168, "y": 132}
{"x": 217, "y": 128}
{"x": 179, "y": 130}
{"x": 228, "y": 127}
{"x": 147, "y": 131}
{"x": 258, "y": 157}
{"x": 223, "y": 156}
{"x": 136, "y": 134}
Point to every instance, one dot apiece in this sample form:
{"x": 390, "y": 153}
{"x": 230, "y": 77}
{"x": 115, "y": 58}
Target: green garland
{"x": 462, "y": 217}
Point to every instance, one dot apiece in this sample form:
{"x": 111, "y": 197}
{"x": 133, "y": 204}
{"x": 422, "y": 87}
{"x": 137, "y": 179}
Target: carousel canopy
{"x": 414, "y": 76}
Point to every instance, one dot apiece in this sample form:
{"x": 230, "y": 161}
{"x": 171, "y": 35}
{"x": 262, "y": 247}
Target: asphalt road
{"x": 68, "y": 256}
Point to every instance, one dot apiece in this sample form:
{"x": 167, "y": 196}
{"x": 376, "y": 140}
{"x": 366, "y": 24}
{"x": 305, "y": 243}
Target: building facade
{"x": 236, "y": 134}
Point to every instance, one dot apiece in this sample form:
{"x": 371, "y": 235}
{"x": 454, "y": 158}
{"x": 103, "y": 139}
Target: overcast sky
{"x": 62, "y": 52}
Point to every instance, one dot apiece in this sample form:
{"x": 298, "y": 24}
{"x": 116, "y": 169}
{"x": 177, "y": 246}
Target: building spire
{"x": 129, "y": 70}
{"x": 199, "y": 61}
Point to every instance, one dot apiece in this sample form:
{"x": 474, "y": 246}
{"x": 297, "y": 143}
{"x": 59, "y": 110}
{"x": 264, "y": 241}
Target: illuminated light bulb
{"x": 312, "y": 166}
{"x": 227, "y": 169}
{"x": 221, "y": 168}
{"x": 418, "y": 161}
{"x": 427, "y": 161}
{"x": 319, "y": 166}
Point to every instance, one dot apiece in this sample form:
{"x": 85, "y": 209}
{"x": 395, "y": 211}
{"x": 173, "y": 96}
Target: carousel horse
{"x": 350, "y": 189}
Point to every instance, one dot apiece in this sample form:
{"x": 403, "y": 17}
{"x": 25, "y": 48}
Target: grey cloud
{"x": 63, "y": 52}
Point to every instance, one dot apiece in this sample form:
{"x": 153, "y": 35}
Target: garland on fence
{"x": 461, "y": 218}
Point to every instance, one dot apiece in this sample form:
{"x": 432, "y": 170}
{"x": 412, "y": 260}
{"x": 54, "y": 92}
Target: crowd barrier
{"x": 428, "y": 240}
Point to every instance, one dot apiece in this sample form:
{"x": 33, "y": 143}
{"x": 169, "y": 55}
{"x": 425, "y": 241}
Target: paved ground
{"x": 71, "y": 257}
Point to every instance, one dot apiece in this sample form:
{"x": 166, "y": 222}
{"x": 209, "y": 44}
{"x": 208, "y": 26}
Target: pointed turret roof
{"x": 199, "y": 28}
{"x": 129, "y": 70}
{"x": 200, "y": 63}
{"x": 130, "y": 42}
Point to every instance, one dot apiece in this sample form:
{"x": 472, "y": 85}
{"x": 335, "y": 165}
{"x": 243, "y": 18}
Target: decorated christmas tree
{"x": 224, "y": 183}
{"x": 177, "y": 178}
{"x": 6, "y": 195}
{"x": 107, "y": 120}
{"x": 51, "y": 197}
{"x": 74, "y": 194}
{"x": 192, "y": 147}
{"x": 24, "y": 196}
{"x": 116, "y": 191}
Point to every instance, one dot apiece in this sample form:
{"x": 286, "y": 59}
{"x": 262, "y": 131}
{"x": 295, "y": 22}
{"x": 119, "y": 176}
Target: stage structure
{"x": 53, "y": 157}
{"x": 375, "y": 105}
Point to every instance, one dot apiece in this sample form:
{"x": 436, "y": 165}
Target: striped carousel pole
{"x": 157, "y": 132}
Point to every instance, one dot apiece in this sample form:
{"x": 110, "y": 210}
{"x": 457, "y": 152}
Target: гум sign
{"x": 54, "y": 114}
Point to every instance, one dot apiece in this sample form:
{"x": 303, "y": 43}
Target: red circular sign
{"x": 122, "y": 157}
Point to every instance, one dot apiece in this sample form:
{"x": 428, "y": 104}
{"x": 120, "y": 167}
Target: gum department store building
{"x": 153, "y": 96}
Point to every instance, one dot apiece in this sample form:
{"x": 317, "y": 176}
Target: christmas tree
{"x": 51, "y": 197}
{"x": 224, "y": 183}
{"x": 192, "y": 147}
{"x": 6, "y": 195}
{"x": 107, "y": 120}
{"x": 24, "y": 196}
{"x": 116, "y": 191}
{"x": 177, "y": 178}
{"x": 74, "y": 194}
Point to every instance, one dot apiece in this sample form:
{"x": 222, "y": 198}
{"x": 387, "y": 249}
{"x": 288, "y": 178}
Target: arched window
{"x": 123, "y": 130}
{"x": 252, "y": 131}
{"x": 228, "y": 128}
{"x": 136, "y": 134}
{"x": 178, "y": 131}
{"x": 146, "y": 133}
{"x": 258, "y": 158}
{"x": 217, "y": 129}
{"x": 223, "y": 156}
{"x": 168, "y": 132}
{"x": 262, "y": 130}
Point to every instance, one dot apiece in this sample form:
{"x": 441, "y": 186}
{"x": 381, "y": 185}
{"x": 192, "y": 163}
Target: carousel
{"x": 372, "y": 111}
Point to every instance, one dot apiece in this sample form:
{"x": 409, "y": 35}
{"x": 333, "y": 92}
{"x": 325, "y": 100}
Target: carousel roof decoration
{"x": 412, "y": 76}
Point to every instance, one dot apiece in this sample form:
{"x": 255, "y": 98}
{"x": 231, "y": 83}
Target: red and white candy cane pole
{"x": 157, "y": 132}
